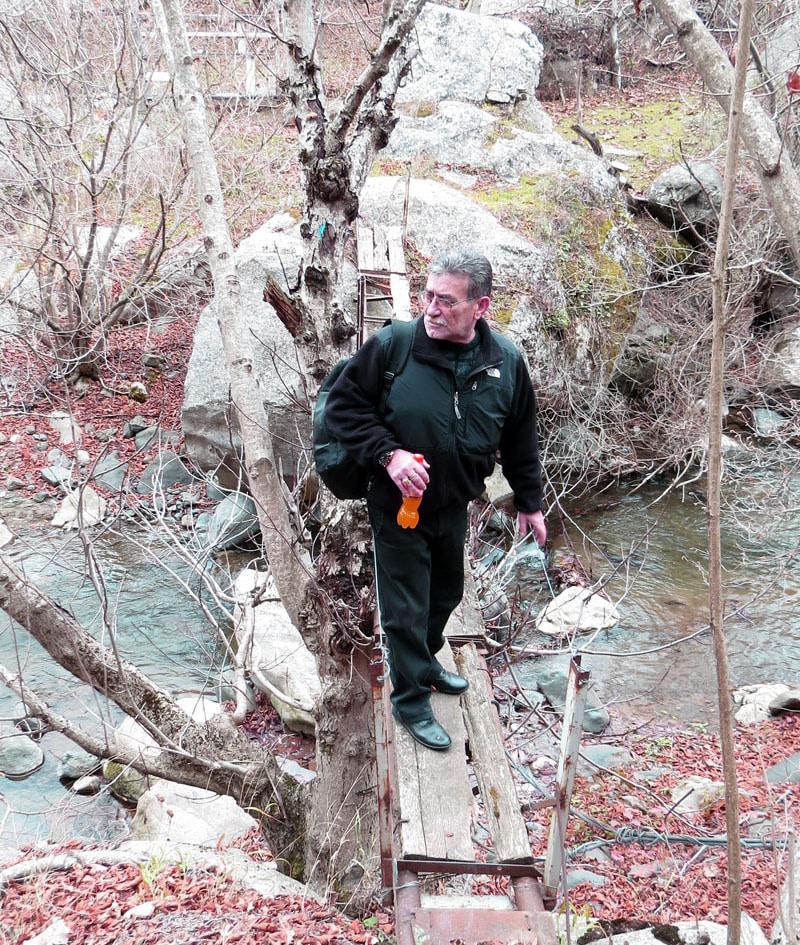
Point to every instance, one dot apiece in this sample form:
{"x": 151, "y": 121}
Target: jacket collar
{"x": 427, "y": 349}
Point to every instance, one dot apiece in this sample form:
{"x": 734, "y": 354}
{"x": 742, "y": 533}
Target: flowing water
{"x": 651, "y": 548}
{"x": 648, "y": 545}
{"x": 155, "y": 622}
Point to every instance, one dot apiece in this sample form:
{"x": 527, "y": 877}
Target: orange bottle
{"x": 407, "y": 515}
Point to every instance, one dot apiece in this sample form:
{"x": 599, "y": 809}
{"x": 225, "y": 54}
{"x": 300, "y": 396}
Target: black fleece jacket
{"x": 458, "y": 405}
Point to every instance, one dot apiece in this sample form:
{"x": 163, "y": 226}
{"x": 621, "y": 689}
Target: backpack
{"x": 346, "y": 478}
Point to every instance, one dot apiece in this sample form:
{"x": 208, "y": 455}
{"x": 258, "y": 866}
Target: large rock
{"x": 234, "y": 522}
{"x": 687, "y": 196}
{"x": 695, "y": 794}
{"x": 177, "y": 812}
{"x": 692, "y": 932}
{"x": 755, "y": 702}
{"x": 462, "y": 134}
{"x": 440, "y": 218}
{"x": 277, "y": 654}
{"x": 577, "y": 610}
{"x": 786, "y": 771}
{"x": 127, "y": 783}
{"x": 468, "y": 57}
{"x": 551, "y": 679}
{"x": 211, "y": 437}
{"x": 80, "y": 509}
{"x": 165, "y": 471}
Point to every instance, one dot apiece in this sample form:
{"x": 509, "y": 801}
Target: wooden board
{"x": 364, "y": 245}
{"x": 505, "y": 821}
{"x": 397, "y": 256}
{"x": 381, "y": 250}
{"x": 435, "y": 801}
{"x": 401, "y": 297}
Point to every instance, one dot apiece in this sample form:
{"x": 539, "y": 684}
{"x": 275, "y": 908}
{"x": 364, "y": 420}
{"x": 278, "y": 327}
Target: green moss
{"x": 587, "y": 242}
{"x": 657, "y": 131}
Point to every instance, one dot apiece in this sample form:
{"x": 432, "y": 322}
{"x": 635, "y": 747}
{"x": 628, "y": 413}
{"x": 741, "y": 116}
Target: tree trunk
{"x": 779, "y": 178}
{"x": 715, "y": 592}
{"x": 288, "y": 560}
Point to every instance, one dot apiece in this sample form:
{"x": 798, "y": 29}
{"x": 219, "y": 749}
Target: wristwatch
{"x": 385, "y": 458}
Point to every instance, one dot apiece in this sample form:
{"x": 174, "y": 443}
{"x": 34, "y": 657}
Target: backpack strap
{"x": 396, "y": 357}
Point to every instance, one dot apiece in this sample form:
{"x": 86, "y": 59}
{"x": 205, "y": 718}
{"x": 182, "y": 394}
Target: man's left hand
{"x": 533, "y": 522}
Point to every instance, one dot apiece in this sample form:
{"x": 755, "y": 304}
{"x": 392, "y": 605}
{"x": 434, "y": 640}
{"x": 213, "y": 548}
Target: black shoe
{"x": 448, "y": 683}
{"x": 427, "y": 732}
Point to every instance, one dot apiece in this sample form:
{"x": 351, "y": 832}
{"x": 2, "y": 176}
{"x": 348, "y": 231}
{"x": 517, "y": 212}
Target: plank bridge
{"x": 425, "y": 799}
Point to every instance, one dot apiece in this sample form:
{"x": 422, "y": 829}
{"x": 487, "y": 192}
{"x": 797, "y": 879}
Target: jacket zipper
{"x": 455, "y": 404}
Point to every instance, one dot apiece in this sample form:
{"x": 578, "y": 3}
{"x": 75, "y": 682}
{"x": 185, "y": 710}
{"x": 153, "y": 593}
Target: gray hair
{"x": 466, "y": 262}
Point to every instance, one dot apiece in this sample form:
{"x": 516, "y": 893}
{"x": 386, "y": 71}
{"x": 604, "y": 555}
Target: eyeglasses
{"x": 444, "y": 302}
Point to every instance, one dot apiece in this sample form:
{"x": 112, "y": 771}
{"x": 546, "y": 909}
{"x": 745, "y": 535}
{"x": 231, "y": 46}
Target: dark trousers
{"x": 419, "y": 574}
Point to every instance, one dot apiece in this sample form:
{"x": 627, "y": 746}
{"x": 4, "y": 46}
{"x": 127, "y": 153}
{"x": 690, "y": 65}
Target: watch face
{"x": 385, "y": 458}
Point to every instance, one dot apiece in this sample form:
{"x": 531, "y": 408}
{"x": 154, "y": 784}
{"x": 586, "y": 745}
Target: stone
{"x": 788, "y": 701}
{"x": 755, "y": 702}
{"x": 143, "y": 911}
{"x": 768, "y": 422}
{"x": 579, "y": 877}
{"x": 234, "y": 522}
{"x": 41, "y": 437}
{"x": 152, "y": 360}
{"x": 687, "y": 196}
{"x": 782, "y": 369}
{"x": 692, "y": 932}
{"x": 551, "y": 679}
{"x": 278, "y": 654}
{"x": 65, "y": 426}
{"x": 138, "y": 391}
{"x": 81, "y": 508}
{"x": 145, "y": 437}
{"x": 134, "y": 426}
{"x": 211, "y": 438}
{"x": 89, "y": 784}
{"x": 82, "y": 457}
{"x": 6, "y": 537}
{"x": 104, "y": 436}
{"x": 56, "y": 458}
{"x": 177, "y": 812}
{"x": 786, "y": 771}
{"x": 695, "y": 794}
{"x": 56, "y": 933}
{"x": 13, "y": 483}
{"x": 20, "y": 756}
{"x": 295, "y": 771}
{"x": 77, "y": 764}
{"x": 110, "y": 471}
{"x": 466, "y": 56}
{"x": 126, "y": 783}
{"x": 264, "y": 878}
{"x": 577, "y": 610}
{"x": 57, "y": 476}
{"x": 165, "y": 471}
{"x": 611, "y": 757}
{"x": 440, "y": 217}
{"x": 464, "y": 135}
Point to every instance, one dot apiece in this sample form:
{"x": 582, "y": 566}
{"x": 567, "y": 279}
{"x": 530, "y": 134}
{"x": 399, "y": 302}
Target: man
{"x": 463, "y": 395}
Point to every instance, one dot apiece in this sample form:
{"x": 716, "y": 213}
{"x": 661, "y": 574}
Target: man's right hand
{"x": 410, "y": 477}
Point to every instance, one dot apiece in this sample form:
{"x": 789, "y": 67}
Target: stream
{"x": 158, "y": 623}
{"x": 649, "y": 549}
{"x": 647, "y": 545}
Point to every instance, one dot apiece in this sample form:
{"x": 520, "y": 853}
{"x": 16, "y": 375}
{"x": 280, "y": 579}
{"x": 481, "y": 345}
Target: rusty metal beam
{"x": 574, "y": 707}
{"x": 462, "y": 867}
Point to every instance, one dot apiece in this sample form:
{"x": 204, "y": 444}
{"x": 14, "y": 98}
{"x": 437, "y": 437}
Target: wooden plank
{"x": 364, "y": 246}
{"x": 381, "y": 249}
{"x": 466, "y": 619}
{"x": 401, "y": 297}
{"x": 435, "y": 801}
{"x": 397, "y": 256}
{"x": 506, "y": 824}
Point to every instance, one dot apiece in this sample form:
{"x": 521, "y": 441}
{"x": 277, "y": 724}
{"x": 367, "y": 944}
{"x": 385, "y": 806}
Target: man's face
{"x": 449, "y": 314}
